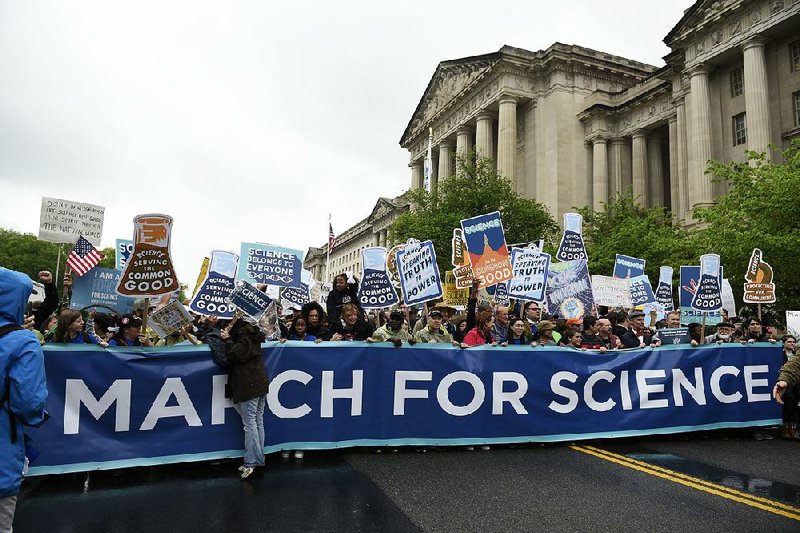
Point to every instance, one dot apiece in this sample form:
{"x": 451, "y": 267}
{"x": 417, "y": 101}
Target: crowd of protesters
{"x": 482, "y": 323}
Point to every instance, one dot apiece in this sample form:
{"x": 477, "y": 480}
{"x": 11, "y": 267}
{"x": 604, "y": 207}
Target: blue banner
{"x": 626, "y": 266}
{"x": 376, "y": 290}
{"x": 273, "y": 265}
{"x": 142, "y": 406}
{"x": 98, "y": 287}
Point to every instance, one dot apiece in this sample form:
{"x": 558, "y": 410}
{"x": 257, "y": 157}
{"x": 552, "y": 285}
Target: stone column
{"x": 528, "y": 187}
{"x": 655, "y": 171}
{"x": 682, "y": 159}
{"x": 462, "y": 145}
{"x": 507, "y": 140}
{"x": 756, "y": 96}
{"x": 484, "y": 144}
{"x": 639, "y": 167}
{"x": 384, "y": 237}
{"x": 417, "y": 175}
{"x": 700, "y": 138}
{"x": 674, "y": 197}
{"x": 599, "y": 173}
{"x": 445, "y": 159}
{"x": 617, "y": 166}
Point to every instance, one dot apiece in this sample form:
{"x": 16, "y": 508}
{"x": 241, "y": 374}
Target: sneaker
{"x": 246, "y": 471}
{"x": 285, "y": 454}
{"x": 484, "y": 447}
{"x": 299, "y": 454}
{"x": 470, "y": 448}
{"x": 757, "y": 435}
{"x": 241, "y": 468}
{"x": 766, "y": 435}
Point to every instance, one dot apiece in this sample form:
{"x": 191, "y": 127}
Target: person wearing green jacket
{"x": 789, "y": 377}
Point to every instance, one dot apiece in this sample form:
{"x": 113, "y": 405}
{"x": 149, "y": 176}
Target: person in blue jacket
{"x": 24, "y": 388}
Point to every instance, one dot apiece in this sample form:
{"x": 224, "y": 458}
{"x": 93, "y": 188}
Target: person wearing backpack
{"x": 24, "y": 387}
{"x": 247, "y": 377}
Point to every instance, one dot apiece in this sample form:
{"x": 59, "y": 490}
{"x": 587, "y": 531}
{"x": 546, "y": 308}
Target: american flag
{"x": 331, "y": 237}
{"x": 83, "y": 257}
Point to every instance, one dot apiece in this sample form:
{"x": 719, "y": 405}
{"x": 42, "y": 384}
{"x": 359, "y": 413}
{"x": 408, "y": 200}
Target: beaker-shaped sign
{"x": 572, "y": 246}
{"x": 149, "y": 270}
{"x": 212, "y": 297}
{"x": 664, "y": 290}
{"x": 708, "y": 296}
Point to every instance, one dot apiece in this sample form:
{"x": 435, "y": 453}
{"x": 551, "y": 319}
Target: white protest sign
{"x": 65, "y": 220}
{"x": 529, "y": 266}
{"x": 419, "y": 273}
{"x": 611, "y": 292}
{"x": 793, "y": 323}
{"x": 169, "y": 318}
{"x": 728, "y": 302}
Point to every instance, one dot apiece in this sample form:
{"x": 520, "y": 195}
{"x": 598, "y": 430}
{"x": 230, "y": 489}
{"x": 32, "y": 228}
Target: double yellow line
{"x": 700, "y": 484}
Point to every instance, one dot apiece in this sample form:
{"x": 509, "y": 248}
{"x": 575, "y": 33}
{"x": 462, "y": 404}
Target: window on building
{"x": 794, "y": 52}
{"x": 737, "y": 82}
{"x": 796, "y": 107}
{"x": 739, "y": 130}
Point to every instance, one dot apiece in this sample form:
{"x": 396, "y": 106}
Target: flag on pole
{"x": 429, "y": 161}
{"x": 331, "y": 237}
{"x": 83, "y": 257}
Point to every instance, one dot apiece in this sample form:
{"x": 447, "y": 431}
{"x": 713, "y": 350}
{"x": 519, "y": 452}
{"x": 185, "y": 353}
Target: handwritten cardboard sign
{"x": 169, "y": 318}
{"x": 611, "y": 292}
{"x": 65, "y": 221}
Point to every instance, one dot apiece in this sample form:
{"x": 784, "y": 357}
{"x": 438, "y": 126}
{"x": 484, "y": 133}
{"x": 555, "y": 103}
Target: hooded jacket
{"x": 22, "y": 371}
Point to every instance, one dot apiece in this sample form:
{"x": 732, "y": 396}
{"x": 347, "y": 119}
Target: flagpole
{"x": 328, "y": 260}
{"x": 58, "y": 263}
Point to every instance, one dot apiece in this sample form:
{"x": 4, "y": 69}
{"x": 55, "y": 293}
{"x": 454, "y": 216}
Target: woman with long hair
{"x": 481, "y": 334}
{"x": 516, "y": 333}
{"x": 130, "y": 333}
{"x": 352, "y": 326}
{"x": 70, "y": 329}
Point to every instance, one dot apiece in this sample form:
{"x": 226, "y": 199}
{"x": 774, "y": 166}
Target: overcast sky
{"x": 249, "y": 120}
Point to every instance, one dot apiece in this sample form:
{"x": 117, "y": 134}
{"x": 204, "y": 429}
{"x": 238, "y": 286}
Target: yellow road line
{"x": 698, "y": 480}
{"x": 699, "y": 484}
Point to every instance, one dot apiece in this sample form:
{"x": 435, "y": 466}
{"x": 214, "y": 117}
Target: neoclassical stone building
{"x": 570, "y": 126}
{"x": 346, "y": 254}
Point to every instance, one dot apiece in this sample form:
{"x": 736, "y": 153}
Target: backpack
{"x": 5, "y": 330}
{"x": 217, "y": 346}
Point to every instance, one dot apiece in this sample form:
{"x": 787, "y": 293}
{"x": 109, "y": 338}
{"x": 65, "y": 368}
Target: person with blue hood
{"x": 24, "y": 388}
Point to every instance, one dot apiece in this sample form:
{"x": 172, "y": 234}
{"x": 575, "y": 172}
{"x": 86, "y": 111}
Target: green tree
{"x": 759, "y": 211}
{"x": 623, "y": 227}
{"x": 25, "y": 253}
{"x": 476, "y": 189}
{"x": 109, "y": 258}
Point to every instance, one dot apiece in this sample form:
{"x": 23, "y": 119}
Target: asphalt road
{"x": 716, "y": 481}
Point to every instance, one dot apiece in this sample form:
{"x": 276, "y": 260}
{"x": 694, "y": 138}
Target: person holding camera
{"x": 24, "y": 387}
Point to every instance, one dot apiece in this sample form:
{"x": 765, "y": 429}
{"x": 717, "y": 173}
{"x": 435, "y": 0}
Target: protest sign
{"x": 759, "y": 287}
{"x": 292, "y": 298}
{"x": 169, "y": 318}
{"x": 122, "y": 251}
{"x": 249, "y": 300}
{"x": 626, "y": 266}
{"x": 391, "y": 265}
{"x": 499, "y": 293}
{"x": 708, "y": 296}
{"x": 569, "y": 289}
{"x": 529, "y": 267}
{"x": 65, "y": 220}
{"x": 376, "y": 290}
{"x": 641, "y": 291}
{"x": 453, "y": 296}
{"x": 486, "y": 244}
{"x": 689, "y": 279}
{"x": 572, "y": 247}
{"x": 728, "y": 301}
{"x": 611, "y": 292}
{"x": 793, "y": 323}
{"x": 269, "y": 322}
{"x": 664, "y": 289}
{"x": 202, "y": 275}
{"x": 149, "y": 270}
{"x": 672, "y": 336}
{"x": 419, "y": 274}
{"x": 98, "y": 287}
{"x": 212, "y": 297}
{"x": 462, "y": 269}
{"x": 273, "y": 265}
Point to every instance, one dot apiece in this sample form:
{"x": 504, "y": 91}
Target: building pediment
{"x": 699, "y": 16}
{"x": 385, "y": 206}
{"x": 451, "y": 79}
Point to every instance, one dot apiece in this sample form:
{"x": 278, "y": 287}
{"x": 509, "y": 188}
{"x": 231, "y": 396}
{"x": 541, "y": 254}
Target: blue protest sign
{"x": 297, "y": 298}
{"x": 572, "y": 247}
{"x": 530, "y": 274}
{"x": 376, "y": 290}
{"x": 169, "y": 405}
{"x": 124, "y": 249}
{"x": 98, "y": 287}
{"x": 419, "y": 273}
{"x": 641, "y": 291}
{"x": 212, "y": 297}
{"x": 501, "y": 293}
{"x": 249, "y": 300}
{"x": 626, "y": 266}
{"x": 689, "y": 280}
{"x": 708, "y": 296}
{"x": 273, "y": 265}
{"x": 569, "y": 289}
{"x": 488, "y": 252}
{"x": 674, "y": 336}
{"x": 664, "y": 289}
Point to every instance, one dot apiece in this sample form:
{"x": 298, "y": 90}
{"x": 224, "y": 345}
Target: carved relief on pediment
{"x": 449, "y": 83}
{"x": 775, "y": 6}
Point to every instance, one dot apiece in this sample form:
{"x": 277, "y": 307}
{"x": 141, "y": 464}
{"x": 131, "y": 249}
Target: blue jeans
{"x": 252, "y": 412}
